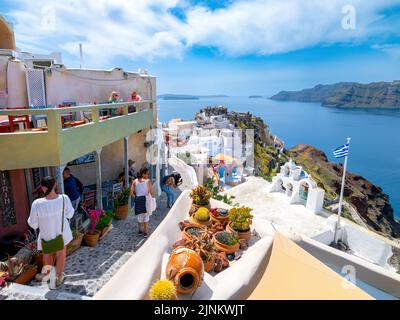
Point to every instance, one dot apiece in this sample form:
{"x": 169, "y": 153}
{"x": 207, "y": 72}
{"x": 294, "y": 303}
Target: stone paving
{"x": 88, "y": 269}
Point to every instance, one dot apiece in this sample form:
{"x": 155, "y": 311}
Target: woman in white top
{"x": 140, "y": 188}
{"x": 46, "y": 214}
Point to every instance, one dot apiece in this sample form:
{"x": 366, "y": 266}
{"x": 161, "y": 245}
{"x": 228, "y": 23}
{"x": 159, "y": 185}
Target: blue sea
{"x": 375, "y": 134}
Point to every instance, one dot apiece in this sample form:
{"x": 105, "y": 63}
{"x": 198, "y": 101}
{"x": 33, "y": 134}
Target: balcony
{"x": 57, "y": 144}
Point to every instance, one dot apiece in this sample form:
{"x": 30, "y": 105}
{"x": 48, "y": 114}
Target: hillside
{"x": 368, "y": 199}
{"x": 348, "y": 95}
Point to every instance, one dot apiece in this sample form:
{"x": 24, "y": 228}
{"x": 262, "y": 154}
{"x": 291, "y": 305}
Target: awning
{"x": 294, "y": 274}
{"x": 225, "y": 157}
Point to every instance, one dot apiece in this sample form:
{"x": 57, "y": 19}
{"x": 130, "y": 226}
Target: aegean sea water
{"x": 375, "y": 133}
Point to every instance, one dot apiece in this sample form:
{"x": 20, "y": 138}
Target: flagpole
{"x": 341, "y": 195}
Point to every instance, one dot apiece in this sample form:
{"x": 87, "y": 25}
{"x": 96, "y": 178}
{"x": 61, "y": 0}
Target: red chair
{"x": 14, "y": 120}
{"x": 66, "y": 118}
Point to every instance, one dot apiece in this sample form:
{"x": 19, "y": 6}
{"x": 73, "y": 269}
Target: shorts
{"x": 143, "y": 217}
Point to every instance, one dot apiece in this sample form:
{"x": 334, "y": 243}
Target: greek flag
{"x": 341, "y": 151}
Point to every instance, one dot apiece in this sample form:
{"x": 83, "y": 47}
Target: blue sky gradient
{"x": 218, "y": 47}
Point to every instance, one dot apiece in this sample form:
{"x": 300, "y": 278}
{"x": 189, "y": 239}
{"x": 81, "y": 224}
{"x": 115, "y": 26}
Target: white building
{"x": 299, "y": 187}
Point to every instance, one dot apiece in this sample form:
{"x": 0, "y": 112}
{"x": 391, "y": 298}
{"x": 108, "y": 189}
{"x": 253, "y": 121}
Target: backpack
{"x": 79, "y": 185}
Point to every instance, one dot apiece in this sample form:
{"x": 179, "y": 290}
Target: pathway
{"x": 88, "y": 269}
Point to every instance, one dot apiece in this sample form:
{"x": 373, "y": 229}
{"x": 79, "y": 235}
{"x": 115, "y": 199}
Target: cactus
{"x": 163, "y": 290}
{"x": 201, "y": 195}
{"x": 202, "y": 214}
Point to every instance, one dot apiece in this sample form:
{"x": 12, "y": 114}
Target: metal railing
{"x": 54, "y": 114}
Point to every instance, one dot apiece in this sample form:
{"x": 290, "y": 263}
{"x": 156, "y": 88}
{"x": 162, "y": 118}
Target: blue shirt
{"x": 71, "y": 188}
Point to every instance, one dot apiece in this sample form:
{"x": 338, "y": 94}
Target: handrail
{"x": 89, "y": 107}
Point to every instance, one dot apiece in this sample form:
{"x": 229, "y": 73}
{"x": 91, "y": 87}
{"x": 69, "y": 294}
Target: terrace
{"x": 59, "y": 141}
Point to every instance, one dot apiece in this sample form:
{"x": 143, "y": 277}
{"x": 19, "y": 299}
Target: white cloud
{"x": 147, "y": 29}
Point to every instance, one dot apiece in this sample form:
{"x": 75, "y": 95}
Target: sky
{"x": 233, "y": 47}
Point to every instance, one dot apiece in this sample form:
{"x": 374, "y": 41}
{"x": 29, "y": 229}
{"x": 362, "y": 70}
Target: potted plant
{"x": 206, "y": 251}
{"x": 105, "y": 222}
{"x": 76, "y": 242}
{"x": 201, "y": 217}
{"x": 192, "y": 231}
{"x": 163, "y": 290}
{"x": 240, "y": 222}
{"x": 121, "y": 204}
{"x": 18, "y": 271}
{"x": 219, "y": 215}
{"x": 200, "y": 198}
{"x": 92, "y": 235}
{"x": 226, "y": 242}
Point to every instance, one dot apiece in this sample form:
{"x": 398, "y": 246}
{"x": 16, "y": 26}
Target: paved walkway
{"x": 88, "y": 269}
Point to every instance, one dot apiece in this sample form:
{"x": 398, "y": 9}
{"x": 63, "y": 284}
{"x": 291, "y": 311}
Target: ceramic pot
{"x": 26, "y": 276}
{"x": 196, "y": 222}
{"x": 91, "y": 238}
{"x": 245, "y": 235}
{"x": 121, "y": 212}
{"x": 185, "y": 269}
{"x": 194, "y": 207}
{"x": 75, "y": 244}
{"x": 187, "y": 235}
{"x": 209, "y": 265}
{"x": 229, "y": 249}
{"x": 221, "y": 219}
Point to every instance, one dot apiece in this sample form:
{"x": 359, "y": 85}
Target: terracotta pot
{"x": 245, "y": 235}
{"x": 187, "y": 235}
{"x": 91, "y": 238}
{"x": 229, "y": 249}
{"x": 196, "y": 222}
{"x": 223, "y": 220}
{"x": 27, "y": 275}
{"x": 121, "y": 212}
{"x": 194, "y": 207}
{"x": 209, "y": 265}
{"x": 185, "y": 269}
{"x": 75, "y": 244}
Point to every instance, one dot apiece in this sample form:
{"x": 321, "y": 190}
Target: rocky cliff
{"x": 348, "y": 94}
{"x": 366, "y": 198}
{"x": 369, "y": 200}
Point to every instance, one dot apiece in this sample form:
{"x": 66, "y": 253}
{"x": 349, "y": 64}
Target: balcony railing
{"x": 58, "y": 143}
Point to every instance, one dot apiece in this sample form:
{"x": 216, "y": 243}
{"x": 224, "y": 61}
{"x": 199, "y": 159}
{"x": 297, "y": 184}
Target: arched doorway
{"x": 7, "y": 40}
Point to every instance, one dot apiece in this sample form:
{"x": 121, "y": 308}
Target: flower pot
{"x": 196, "y": 222}
{"x": 75, "y": 244}
{"x": 91, "y": 238}
{"x": 187, "y": 235}
{"x": 194, "y": 207}
{"x": 221, "y": 219}
{"x": 228, "y": 249}
{"x": 185, "y": 269}
{"x": 245, "y": 235}
{"x": 209, "y": 265}
{"x": 27, "y": 275}
{"x": 121, "y": 212}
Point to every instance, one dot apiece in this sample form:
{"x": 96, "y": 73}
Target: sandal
{"x": 60, "y": 281}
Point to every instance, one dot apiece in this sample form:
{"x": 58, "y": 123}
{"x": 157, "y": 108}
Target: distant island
{"x": 348, "y": 95}
{"x": 170, "y": 96}
{"x": 255, "y": 97}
